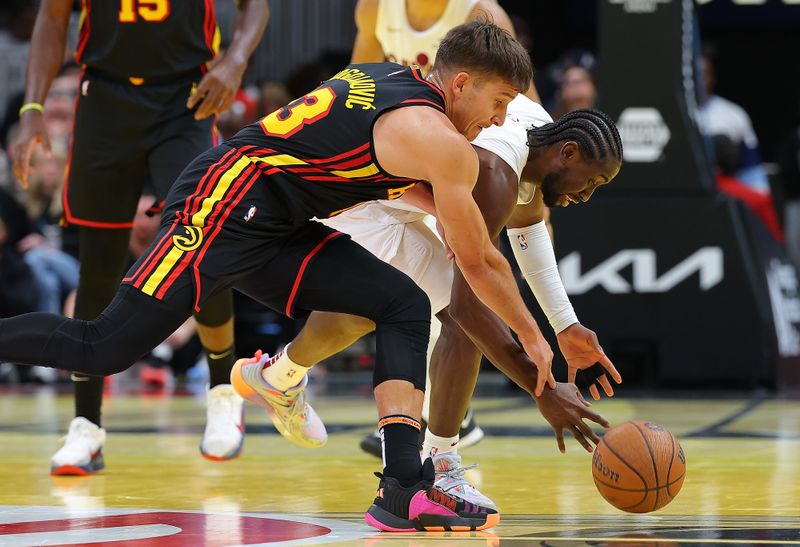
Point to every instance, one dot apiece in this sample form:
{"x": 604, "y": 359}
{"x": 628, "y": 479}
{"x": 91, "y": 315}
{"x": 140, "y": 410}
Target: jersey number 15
{"x": 152, "y": 11}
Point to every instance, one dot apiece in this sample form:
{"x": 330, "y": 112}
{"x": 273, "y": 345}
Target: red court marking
{"x": 196, "y": 529}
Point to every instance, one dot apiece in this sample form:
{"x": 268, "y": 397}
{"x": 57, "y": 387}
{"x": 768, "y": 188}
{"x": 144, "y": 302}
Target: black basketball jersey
{"x": 323, "y": 141}
{"x": 148, "y": 39}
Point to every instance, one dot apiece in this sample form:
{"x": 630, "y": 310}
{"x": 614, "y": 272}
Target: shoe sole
{"x": 235, "y": 453}
{"x": 387, "y": 522}
{"x": 74, "y": 470}
{"x": 246, "y": 392}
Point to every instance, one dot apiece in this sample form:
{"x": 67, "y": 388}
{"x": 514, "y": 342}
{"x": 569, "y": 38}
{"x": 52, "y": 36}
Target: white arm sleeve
{"x": 537, "y": 261}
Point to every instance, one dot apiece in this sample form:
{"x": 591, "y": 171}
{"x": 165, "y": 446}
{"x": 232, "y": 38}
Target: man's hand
{"x": 540, "y": 353}
{"x": 581, "y": 349}
{"x": 32, "y": 131}
{"x": 217, "y": 89}
{"x": 565, "y": 408}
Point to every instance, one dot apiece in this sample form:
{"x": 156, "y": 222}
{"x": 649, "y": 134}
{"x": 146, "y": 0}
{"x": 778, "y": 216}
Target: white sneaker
{"x": 450, "y": 479}
{"x": 82, "y": 453}
{"x": 224, "y": 434}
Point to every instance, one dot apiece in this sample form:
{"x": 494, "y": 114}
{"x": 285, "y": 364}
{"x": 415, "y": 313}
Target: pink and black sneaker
{"x": 424, "y": 507}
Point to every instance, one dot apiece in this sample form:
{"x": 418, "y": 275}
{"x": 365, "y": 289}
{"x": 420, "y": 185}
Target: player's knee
{"x": 407, "y": 303}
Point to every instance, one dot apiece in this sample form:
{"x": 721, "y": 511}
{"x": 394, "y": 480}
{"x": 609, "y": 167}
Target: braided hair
{"x": 595, "y": 133}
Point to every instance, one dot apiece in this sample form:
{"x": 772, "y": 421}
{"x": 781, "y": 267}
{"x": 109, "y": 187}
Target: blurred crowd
{"x": 38, "y": 265}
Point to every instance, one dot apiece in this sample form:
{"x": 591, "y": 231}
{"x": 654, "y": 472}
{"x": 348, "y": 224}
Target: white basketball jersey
{"x": 510, "y": 140}
{"x": 404, "y": 45}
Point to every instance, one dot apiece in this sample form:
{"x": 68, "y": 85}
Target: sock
{"x": 283, "y": 373}
{"x": 88, "y": 396}
{"x": 220, "y": 364}
{"x": 399, "y": 437}
{"x": 434, "y": 444}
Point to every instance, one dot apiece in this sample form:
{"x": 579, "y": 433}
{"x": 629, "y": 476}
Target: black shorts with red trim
{"x": 224, "y": 221}
{"x": 125, "y": 137}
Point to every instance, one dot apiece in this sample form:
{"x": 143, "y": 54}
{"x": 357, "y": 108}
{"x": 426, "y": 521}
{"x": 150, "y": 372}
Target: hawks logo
{"x": 189, "y": 241}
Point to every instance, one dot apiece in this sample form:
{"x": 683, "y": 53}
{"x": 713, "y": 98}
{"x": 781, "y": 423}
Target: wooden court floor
{"x": 742, "y": 485}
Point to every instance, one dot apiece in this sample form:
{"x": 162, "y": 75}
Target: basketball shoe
{"x": 450, "y": 480}
{"x": 424, "y": 507}
{"x": 82, "y": 453}
{"x": 291, "y": 414}
{"x": 223, "y": 437}
{"x": 469, "y": 435}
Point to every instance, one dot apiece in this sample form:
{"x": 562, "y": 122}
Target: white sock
{"x": 284, "y": 373}
{"x": 434, "y": 444}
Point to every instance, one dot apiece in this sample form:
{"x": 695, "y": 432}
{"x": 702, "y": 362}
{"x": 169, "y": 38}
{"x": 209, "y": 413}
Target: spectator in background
{"x": 573, "y": 76}
{"x": 788, "y": 158}
{"x": 729, "y": 163}
{"x": 14, "y": 47}
{"x": 718, "y": 116}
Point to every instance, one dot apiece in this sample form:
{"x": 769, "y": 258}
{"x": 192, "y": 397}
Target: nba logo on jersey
{"x": 251, "y": 212}
{"x": 523, "y": 243}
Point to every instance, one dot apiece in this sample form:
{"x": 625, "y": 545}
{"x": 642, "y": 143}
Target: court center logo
{"x": 189, "y": 240}
{"x": 644, "y": 134}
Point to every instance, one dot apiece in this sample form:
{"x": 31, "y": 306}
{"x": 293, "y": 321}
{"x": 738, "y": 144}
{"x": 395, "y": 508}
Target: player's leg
{"x": 103, "y": 256}
{"x": 453, "y": 370}
{"x": 223, "y": 436}
{"x": 132, "y": 324}
{"x": 105, "y": 177}
{"x": 344, "y": 277}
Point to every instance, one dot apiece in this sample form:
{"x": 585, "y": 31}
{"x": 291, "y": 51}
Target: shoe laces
{"x": 458, "y": 472}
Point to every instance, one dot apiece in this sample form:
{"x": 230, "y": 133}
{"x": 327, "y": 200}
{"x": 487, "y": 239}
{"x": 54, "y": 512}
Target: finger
{"x": 586, "y": 403}
{"x": 205, "y": 109}
{"x": 588, "y": 432}
{"x": 571, "y": 372}
{"x": 594, "y": 392}
{"x": 551, "y": 380}
{"x": 609, "y": 366}
{"x": 25, "y": 163}
{"x": 603, "y": 381}
{"x": 581, "y": 439}
{"x": 560, "y": 440}
{"x": 596, "y": 418}
{"x": 541, "y": 379}
{"x": 198, "y": 93}
{"x": 226, "y": 102}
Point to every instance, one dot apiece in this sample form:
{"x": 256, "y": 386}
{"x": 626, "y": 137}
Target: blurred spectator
{"x": 576, "y": 90}
{"x": 729, "y": 163}
{"x": 17, "y": 285}
{"x": 14, "y": 46}
{"x": 59, "y": 108}
{"x": 243, "y": 111}
{"x": 572, "y": 81}
{"x": 718, "y": 116}
{"x": 273, "y": 96}
{"x": 789, "y": 161}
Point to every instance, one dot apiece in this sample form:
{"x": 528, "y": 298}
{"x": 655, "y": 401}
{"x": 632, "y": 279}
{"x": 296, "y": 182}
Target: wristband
{"x": 537, "y": 262}
{"x": 31, "y": 106}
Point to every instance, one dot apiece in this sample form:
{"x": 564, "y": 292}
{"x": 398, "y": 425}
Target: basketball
{"x": 638, "y": 466}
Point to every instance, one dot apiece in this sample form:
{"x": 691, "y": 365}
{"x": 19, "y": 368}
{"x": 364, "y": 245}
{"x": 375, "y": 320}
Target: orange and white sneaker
{"x": 82, "y": 453}
{"x": 291, "y": 414}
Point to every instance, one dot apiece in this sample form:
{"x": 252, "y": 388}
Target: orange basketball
{"x": 638, "y": 466}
